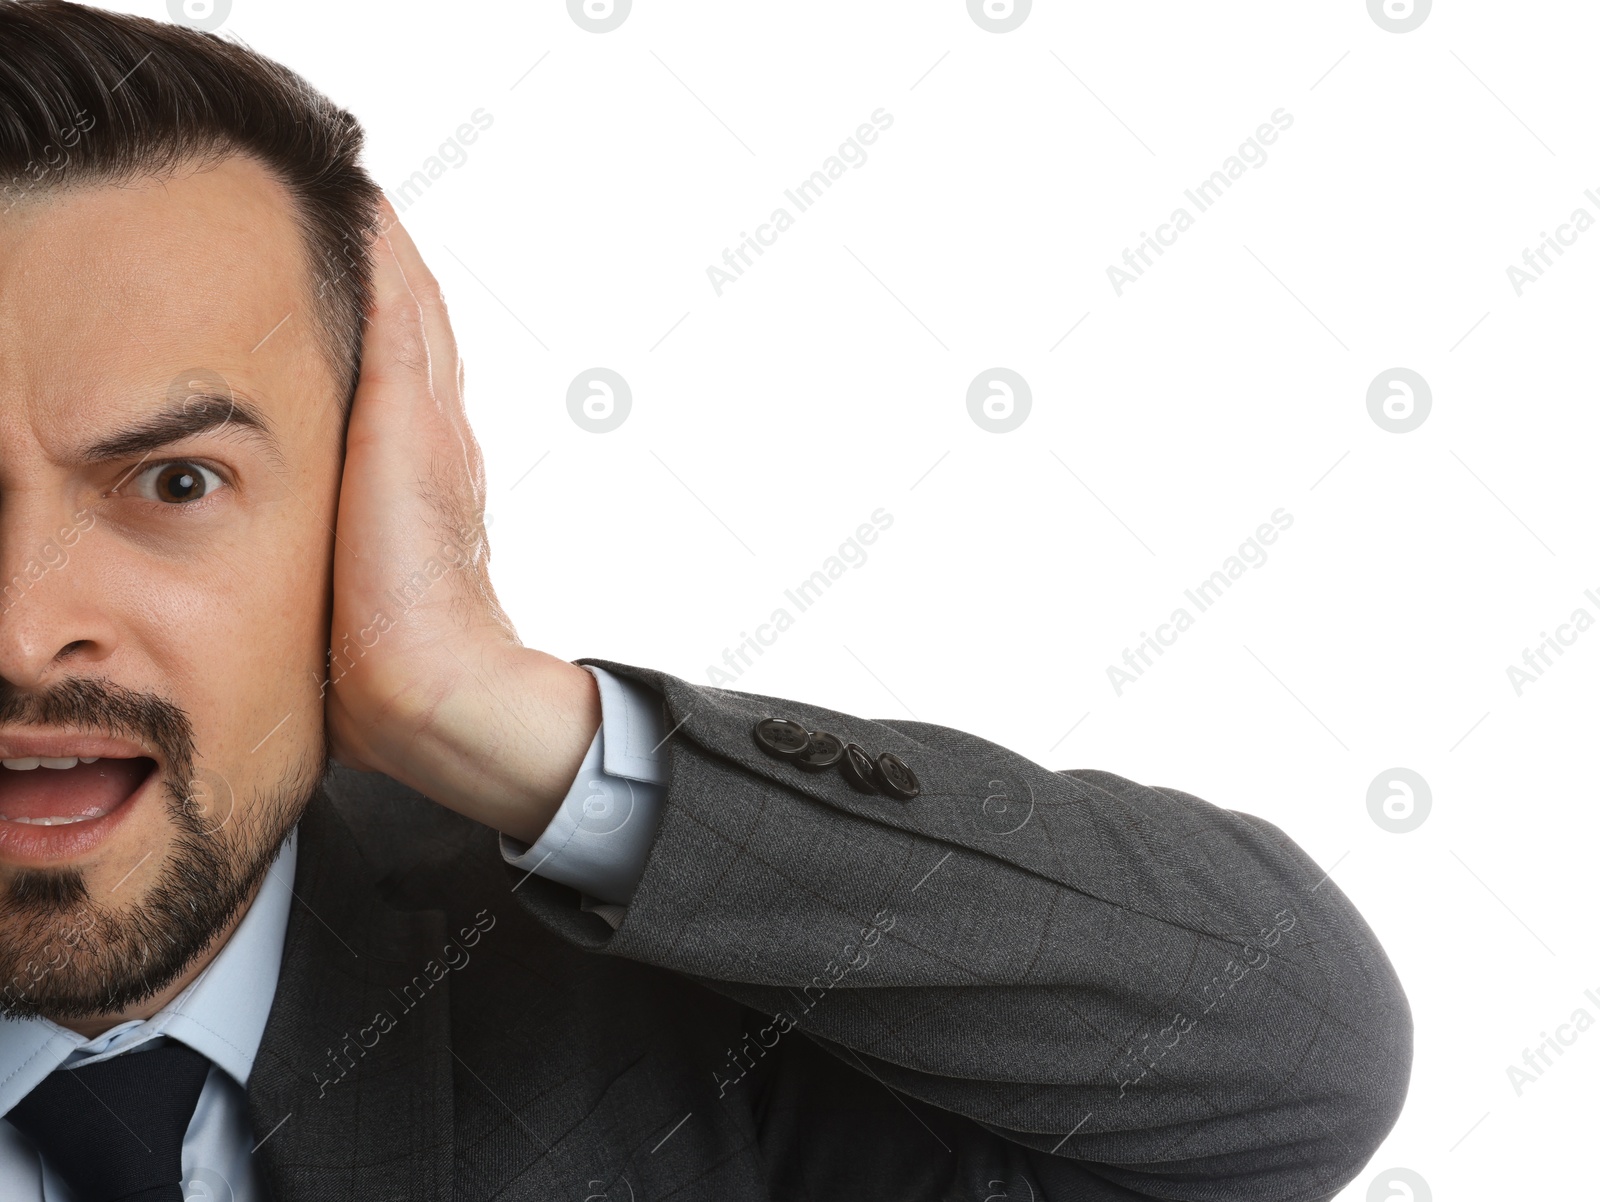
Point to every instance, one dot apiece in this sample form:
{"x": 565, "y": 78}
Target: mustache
{"x": 98, "y": 706}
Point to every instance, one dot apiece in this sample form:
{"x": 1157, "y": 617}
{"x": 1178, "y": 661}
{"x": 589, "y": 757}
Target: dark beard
{"x": 65, "y": 954}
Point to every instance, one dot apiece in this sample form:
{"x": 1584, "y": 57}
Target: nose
{"x": 51, "y": 614}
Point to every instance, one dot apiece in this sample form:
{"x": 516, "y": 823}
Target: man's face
{"x": 165, "y": 588}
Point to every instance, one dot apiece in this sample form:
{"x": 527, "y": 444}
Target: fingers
{"x": 410, "y": 333}
{"x": 448, "y": 370}
{"x": 429, "y": 299}
{"x": 410, "y": 358}
{"x": 395, "y": 348}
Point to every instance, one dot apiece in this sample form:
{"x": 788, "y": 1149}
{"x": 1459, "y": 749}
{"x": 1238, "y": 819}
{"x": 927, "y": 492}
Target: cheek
{"x": 239, "y": 640}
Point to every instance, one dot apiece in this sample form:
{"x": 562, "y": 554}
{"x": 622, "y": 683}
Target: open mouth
{"x": 47, "y": 791}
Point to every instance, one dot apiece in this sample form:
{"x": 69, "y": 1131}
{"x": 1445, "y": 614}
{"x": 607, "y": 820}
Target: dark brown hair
{"x": 88, "y": 96}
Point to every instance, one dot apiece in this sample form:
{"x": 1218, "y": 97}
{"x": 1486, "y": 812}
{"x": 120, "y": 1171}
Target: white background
{"x": 1231, "y": 380}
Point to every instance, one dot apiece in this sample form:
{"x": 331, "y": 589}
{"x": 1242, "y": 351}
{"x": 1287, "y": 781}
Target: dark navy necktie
{"x": 114, "y": 1130}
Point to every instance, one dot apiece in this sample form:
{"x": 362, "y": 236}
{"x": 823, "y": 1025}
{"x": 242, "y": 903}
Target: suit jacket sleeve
{"x": 1127, "y": 991}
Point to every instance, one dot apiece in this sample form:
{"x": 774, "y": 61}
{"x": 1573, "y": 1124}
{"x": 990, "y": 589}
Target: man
{"x": 549, "y": 929}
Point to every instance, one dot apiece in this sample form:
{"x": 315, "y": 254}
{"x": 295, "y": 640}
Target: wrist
{"x": 504, "y": 742}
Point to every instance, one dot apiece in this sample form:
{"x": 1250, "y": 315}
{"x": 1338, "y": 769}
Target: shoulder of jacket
{"x": 403, "y": 835}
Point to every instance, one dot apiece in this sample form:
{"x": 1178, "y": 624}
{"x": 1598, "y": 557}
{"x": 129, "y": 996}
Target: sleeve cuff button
{"x": 857, "y": 768}
{"x": 894, "y": 778}
{"x": 822, "y": 752}
{"x": 781, "y": 737}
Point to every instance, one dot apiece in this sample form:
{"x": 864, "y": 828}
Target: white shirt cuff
{"x": 601, "y": 836}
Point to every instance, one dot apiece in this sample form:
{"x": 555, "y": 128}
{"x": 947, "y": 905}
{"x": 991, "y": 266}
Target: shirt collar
{"x": 221, "y": 1014}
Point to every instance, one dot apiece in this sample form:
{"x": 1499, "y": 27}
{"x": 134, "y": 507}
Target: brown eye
{"x": 177, "y": 483}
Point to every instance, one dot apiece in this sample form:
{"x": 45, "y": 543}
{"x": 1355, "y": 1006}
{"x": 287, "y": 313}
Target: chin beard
{"x": 66, "y": 954}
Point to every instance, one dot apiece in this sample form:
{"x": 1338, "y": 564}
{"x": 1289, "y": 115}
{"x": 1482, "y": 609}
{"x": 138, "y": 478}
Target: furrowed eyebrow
{"x": 197, "y": 414}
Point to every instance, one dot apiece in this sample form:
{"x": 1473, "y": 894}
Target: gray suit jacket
{"x": 1021, "y": 984}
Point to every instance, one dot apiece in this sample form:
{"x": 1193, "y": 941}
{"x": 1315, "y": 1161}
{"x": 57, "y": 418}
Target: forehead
{"x": 108, "y": 292}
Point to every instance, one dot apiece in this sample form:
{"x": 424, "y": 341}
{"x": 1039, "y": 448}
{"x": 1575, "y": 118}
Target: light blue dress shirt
{"x": 598, "y": 843}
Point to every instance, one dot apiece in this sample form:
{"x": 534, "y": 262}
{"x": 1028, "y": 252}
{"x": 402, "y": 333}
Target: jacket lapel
{"x": 350, "y": 1093}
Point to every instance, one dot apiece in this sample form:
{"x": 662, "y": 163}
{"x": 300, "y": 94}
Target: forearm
{"x": 502, "y": 745}
{"x": 1092, "y": 968}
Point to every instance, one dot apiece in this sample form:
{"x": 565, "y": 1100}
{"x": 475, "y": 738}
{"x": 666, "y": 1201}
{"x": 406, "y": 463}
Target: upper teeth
{"x": 36, "y": 761}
